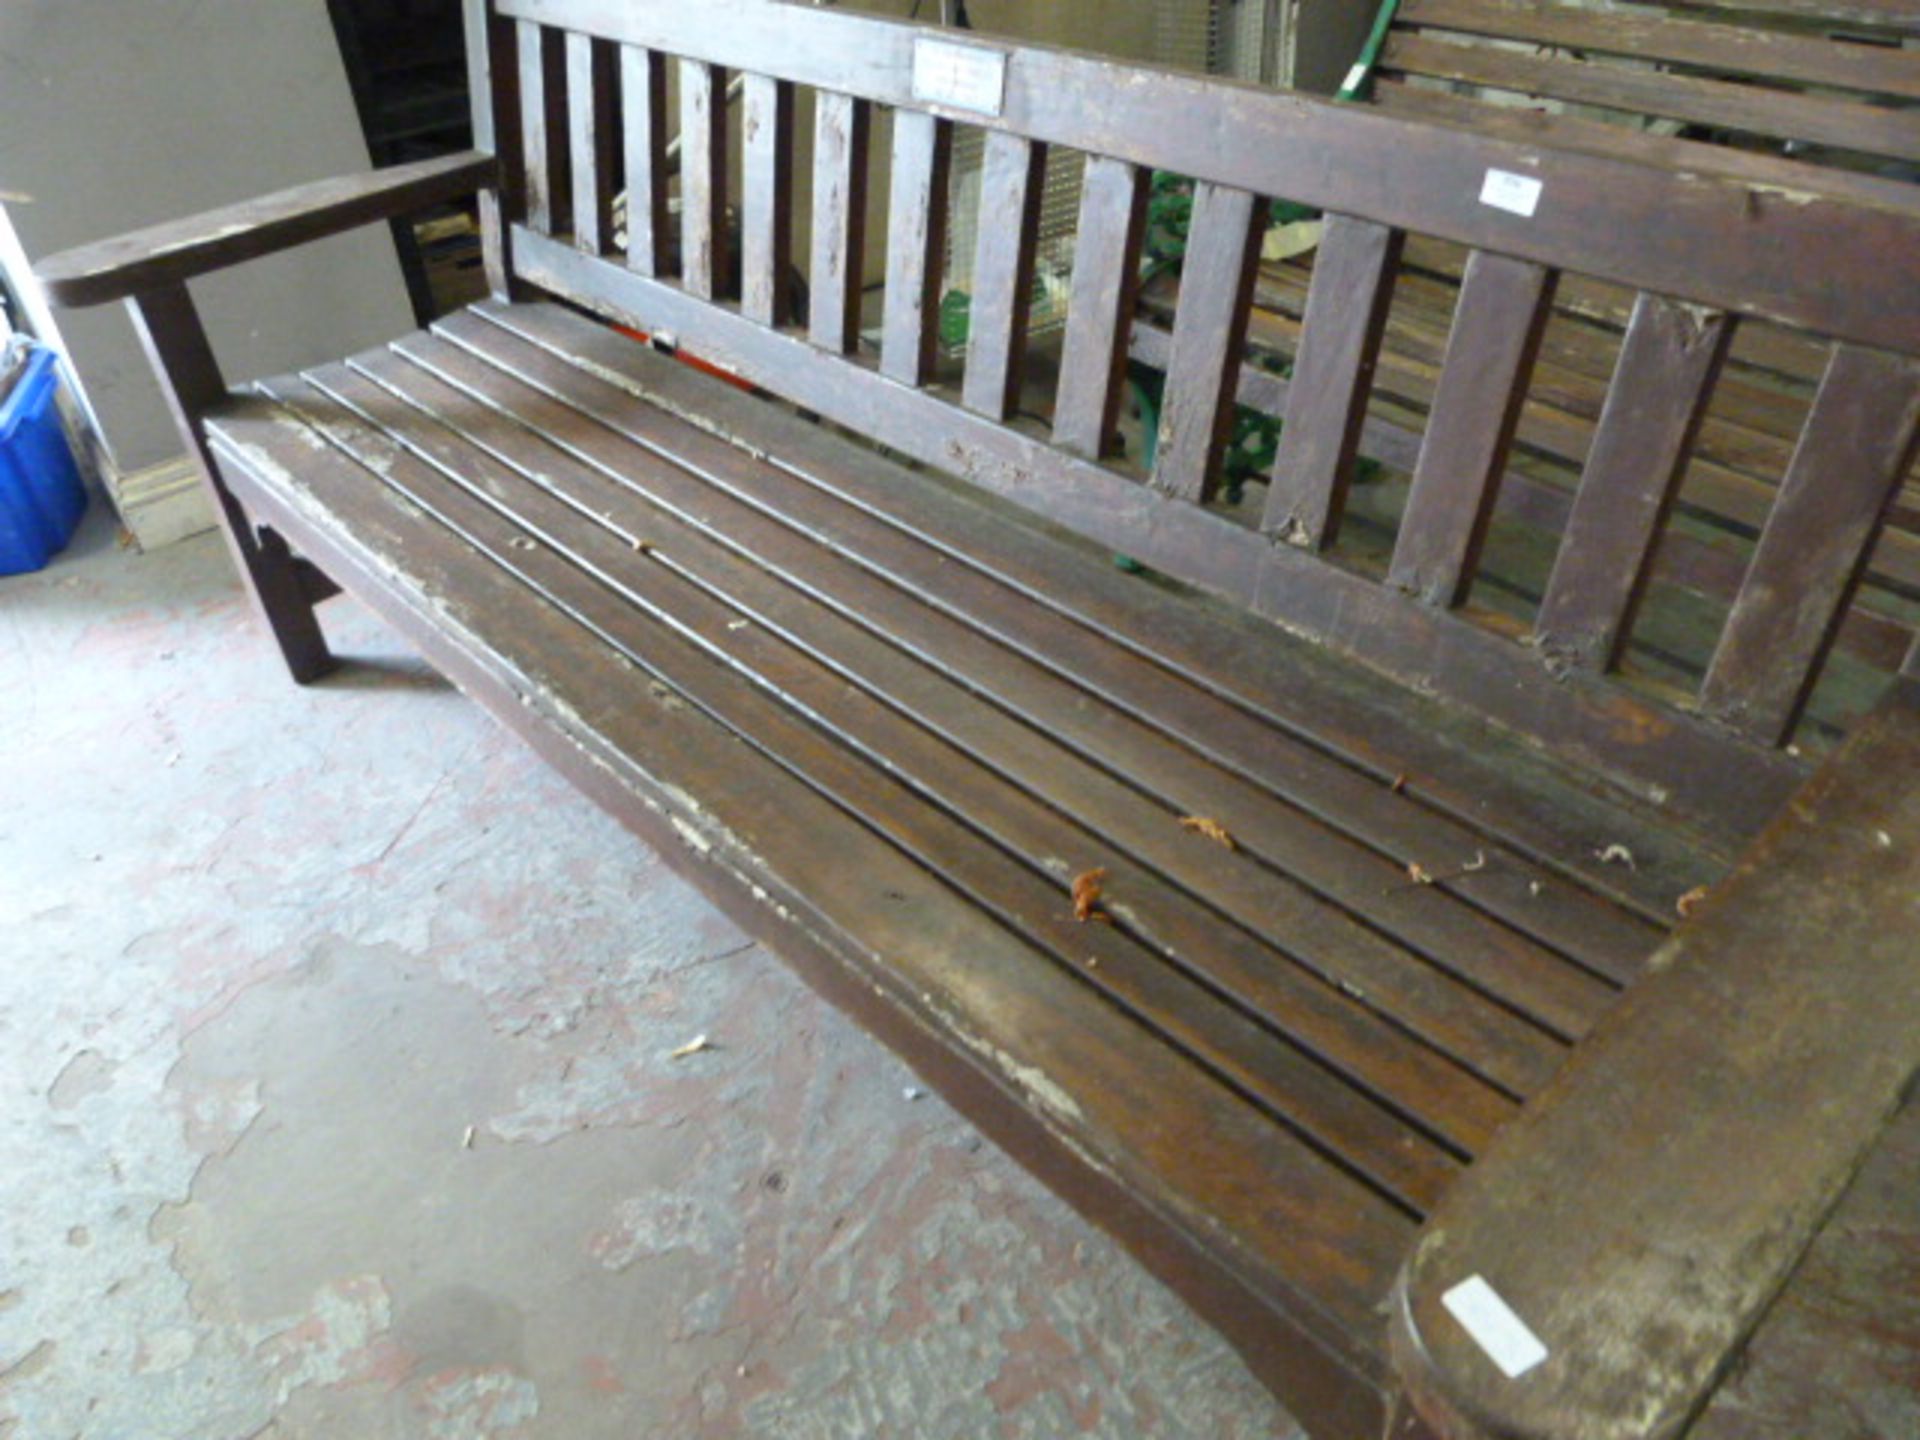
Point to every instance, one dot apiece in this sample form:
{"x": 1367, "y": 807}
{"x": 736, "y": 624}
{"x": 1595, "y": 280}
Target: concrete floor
{"x": 337, "y": 1096}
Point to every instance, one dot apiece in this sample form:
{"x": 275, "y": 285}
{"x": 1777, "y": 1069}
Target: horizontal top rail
{"x": 1812, "y": 250}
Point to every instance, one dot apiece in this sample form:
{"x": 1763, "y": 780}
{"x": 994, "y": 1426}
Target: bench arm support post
{"x": 1644, "y": 1211}
{"x": 283, "y": 588}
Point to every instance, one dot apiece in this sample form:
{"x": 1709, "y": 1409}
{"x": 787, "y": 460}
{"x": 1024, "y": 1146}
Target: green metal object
{"x": 1360, "y": 77}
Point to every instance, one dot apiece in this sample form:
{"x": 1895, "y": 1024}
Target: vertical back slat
{"x": 842, "y": 126}
{"x": 1209, "y": 336}
{"x": 543, "y": 124}
{"x": 593, "y": 139}
{"x": 916, "y": 231}
{"x": 1012, "y": 184}
{"x": 493, "y": 83}
{"x": 1502, "y": 311}
{"x": 766, "y": 219}
{"x": 1106, "y": 277}
{"x": 1346, "y": 315}
{"x": 1661, "y": 385}
{"x": 1858, "y": 442}
{"x": 643, "y": 96}
{"x": 703, "y": 178}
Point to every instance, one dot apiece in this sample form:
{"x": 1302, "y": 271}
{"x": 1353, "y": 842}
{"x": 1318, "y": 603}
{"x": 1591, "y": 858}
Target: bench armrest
{"x": 180, "y": 249}
{"x": 1643, "y": 1212}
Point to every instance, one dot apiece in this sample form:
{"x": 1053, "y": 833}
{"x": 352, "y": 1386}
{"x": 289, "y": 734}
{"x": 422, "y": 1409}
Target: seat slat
{"x": 643, "y": 82}
{"x": 842, "y": 126}
{"x": 1660, "y": 391}
{"x": 1859, "y": 441}
{"x": 1012, "y": 186}
{"x": 766, "y": 219}
{"x": 1263, "y": 903}
{"x": 543, "y": 124}
{"x": 704, "y": 259}
{"x": 1346, "y": 315}
{"x": 1106, "y": 269}
{"x": 1745, "y": 49}
{"x": 701, "y": 589}
{"x": 1310, "y": 1228}
{"x": 1190, "y": 673}
{"x": 1503, "y": 309}
{"x": 593, "y": 138}
{"x": 916, "y": 237}
{"x": 1778, "y": 114}
{"x": 919, "y": 562}
{"x": 1209, "y": 337}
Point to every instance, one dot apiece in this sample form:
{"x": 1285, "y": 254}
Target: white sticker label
{"x": 1493, "y": 1325}
{"x": 1354, "y": 77}
{"x": 1505, "y": 190}
{"x": 961, "y": 77}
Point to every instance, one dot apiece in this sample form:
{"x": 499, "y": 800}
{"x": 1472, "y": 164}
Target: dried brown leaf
{"x": 1690, "y": 901}
{"x": 1211, "y": 829}
{"x": 1087, "y": 886}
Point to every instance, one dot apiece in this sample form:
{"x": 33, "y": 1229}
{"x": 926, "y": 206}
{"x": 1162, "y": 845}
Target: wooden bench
{"x": 1820, "y": 81}
{"x": 1285, "y": 908}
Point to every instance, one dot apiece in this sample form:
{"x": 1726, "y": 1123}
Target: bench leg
{"x": 283, "y": 589}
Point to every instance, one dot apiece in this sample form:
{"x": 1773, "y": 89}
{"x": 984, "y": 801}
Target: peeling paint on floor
{"x": 336, "y": 1096}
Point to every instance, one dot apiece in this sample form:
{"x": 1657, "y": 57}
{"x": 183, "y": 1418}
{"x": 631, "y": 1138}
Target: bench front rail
{"x": 522, "y": 432}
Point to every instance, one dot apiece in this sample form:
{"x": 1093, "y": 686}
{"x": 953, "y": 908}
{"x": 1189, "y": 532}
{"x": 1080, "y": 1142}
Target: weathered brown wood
{"x": 1898, "y": 15}
{"x": 1660, "y": 390}
{"x": 1011, "y": 189}
{"x": 1859, "y": 441}
{"x": 842, "y": 126}
{"x": 643, "y": 87}
{"x": 1301, "y": 694}
{"x": 177, "y": 347}
{"x": 916, "y": 237}
{"x": 1697, "y": 768}
{"x": 766, "y": 209}
{"x": 1138, "y": 840}
{"x": 493, "y": 86}
{"x": 1718, "y": 228}
{"x": 704, "y": 257}
{"x": 593, "y": 138}
{"x": 1871, "y": 129}
{"x": 543, "y": 125}
{"x": 1733, "y": 47}
{"x": 1718, "y": 1171}
{"x": 1209, "y": 337}
{"x": 1106, "y": 277}
{"x": 1504, "y": 305}
{"x": 1326, "y": 404}
{"x": 177, "y": 250}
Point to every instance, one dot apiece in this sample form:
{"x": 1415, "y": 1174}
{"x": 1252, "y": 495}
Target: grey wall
{"x": 118, "y": 113}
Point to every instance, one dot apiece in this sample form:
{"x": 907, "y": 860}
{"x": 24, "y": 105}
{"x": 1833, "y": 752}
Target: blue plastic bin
{"x": 41, "y": 497}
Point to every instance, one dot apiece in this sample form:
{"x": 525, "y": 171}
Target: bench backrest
{"x": 576, "y": 98}
{"x": 1836, "y": 80}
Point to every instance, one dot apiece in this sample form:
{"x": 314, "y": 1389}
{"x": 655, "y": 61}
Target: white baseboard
{"x": 162, "y": 503}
